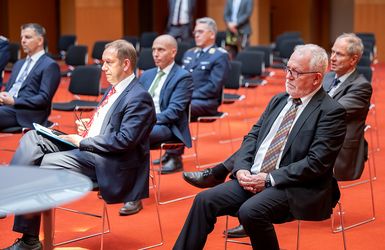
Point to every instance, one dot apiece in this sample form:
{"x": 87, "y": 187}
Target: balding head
{"x": 164, "y": 50}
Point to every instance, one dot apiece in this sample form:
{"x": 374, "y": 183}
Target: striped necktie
{"x": 279, "y": 140}
{"x": 14, "y": 91}
{"x": 105, "y": 101}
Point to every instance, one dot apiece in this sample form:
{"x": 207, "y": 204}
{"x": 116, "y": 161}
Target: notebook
{"x": 52, "y": 133}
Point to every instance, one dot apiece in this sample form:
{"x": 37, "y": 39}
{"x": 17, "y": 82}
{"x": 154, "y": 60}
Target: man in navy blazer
{"x": 300, "y": 183}
{"x": 171, "y": 94}
{"x": 4, "y": 57}
{"x": 209, "y": 67}
{"x": 237, "y": 17}
{"x": 113, "y": 149}
{"x": 32, "y": 85}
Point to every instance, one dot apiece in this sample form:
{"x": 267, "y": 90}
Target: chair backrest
{"x": 97, "y": 51}
{"x": 182, "y": 48}
{"x": 133, "y": 40}
{"x": 287, "y": 47}
{"x": 85, "y": 80}
{"x": 366, "y": 71}
{"x": 145, "y": 60}
{"x": 220, "y": 39}
{"x": 284, "y": 36}
{"x": 76, "y": 55}
{"x": 252, "y": 62}
{"x": 365, "y": 61}
{"x": 146, "y": 39}
{"x": 65, "y": 41}
{"x": 265, "y": 49}
{"x": 234, "y": 79}
{"x": 14, "y": 52}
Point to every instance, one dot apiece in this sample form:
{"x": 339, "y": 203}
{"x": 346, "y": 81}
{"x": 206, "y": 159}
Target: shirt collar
{"x": 306, "y": 99}
{"x": 168, "y": 68}
{"x": 37, "y": 55}
{"x": 124, "y": 83}
{"x": 344, "y": 77}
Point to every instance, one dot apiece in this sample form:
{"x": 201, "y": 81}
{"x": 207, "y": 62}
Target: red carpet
{"x": 139, "y": 230}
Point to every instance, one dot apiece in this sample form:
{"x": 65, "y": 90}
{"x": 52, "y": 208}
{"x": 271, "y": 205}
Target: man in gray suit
{"x": 352, "y": 91}
{"x": 237, "y": 17}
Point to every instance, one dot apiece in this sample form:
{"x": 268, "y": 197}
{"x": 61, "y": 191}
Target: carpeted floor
{"x": 136, "y": 231}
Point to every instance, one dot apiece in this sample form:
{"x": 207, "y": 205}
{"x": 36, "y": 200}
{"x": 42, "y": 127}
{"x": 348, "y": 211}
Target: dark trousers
{"x": 8, "y": 117}
{"x": 36, "y": 150}
{"x": 162, "y": 133}
{"x": 256, "y": 212}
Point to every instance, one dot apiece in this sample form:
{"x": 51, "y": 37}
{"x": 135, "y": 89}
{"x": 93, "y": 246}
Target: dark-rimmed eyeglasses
{"x": 295, "y": 74}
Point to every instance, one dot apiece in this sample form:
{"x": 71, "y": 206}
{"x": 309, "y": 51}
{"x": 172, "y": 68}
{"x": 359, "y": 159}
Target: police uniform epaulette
{"x": 193, "y": 49}
{"x": 222, "y": 50}
{"x": 3, "y": 38}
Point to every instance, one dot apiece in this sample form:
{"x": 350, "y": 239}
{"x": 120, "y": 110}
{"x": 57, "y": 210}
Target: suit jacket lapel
{"x": 39, "y": 61}
{"x": 310, "y": 107}
{"x": 165, "y": 85}
{"x": 115, "y": 105}
{"x": 346, "y": 83}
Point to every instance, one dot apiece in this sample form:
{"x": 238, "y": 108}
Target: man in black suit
{"x": 171, "y": 88}
{"x": 113, "y": 148}
{"x": 180, "y": 18}
{"x": 352, "y": 91}
{"x": 34, "y": 80}
{"x": 284, "y": 168}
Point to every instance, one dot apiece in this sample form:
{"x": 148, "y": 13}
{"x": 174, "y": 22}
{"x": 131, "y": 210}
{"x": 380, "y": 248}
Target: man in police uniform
{"x": 208, "y": 66}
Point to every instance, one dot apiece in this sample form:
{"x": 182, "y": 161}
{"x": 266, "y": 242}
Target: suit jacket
{"x": 209, "y": 72}
{"x": 306, "y": 166}
{"x": 175, "y": 98}
{"x": 243, "y": 16}
{"x": 171, "y": 7}
{"x": 354, "y": 95}
{"x": 4, "y": 57}
{"x": 122, "y": 148}
{"x": 34, "y": 100}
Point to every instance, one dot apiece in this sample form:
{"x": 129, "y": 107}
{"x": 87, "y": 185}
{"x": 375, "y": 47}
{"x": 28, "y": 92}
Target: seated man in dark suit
{"x": 32, "y": 84}
{"x": 171, "y": 88}
{"x": 113, "y": 150}
{"x": 4, "y": 57}
{"x": 208, "y": 66}
{"x": 284, "y": 167}
{"x": 352, "y": 91}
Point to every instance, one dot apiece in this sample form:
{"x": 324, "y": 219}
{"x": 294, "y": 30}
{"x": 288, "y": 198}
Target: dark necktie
{"x": 279, "y": 140}
{"x": 105, "y": 101}
{"x": 334, "y": 84}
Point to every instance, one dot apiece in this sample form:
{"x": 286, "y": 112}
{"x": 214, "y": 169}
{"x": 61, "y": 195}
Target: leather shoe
{"x": 20, "y": 245}
{"x": 174, "y": 164}
{"x": 164, "y": 158}
{"x": 131, "y": 207}
{"x": 236, "y": 232}
{"x": 202, "y": 179}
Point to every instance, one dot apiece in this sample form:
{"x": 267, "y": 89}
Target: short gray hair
{"x": 210, "y": 23}
{"x": 319, "y": 58}
{"x": 125, "y": 50}
{"x": 355, "y": 45}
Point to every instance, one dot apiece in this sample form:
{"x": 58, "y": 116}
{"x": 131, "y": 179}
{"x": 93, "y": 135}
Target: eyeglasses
{"x": 295, "y": 74}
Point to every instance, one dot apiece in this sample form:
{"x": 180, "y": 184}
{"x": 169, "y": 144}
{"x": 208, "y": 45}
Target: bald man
{"x": 171, "y": 89}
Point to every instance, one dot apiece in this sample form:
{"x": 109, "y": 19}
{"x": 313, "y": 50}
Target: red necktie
{"x": 104, "y": 102}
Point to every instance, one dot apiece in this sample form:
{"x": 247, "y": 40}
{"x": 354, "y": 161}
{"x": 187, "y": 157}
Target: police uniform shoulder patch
{"x": 222, "y": 50}
{"x": 212, "y": 51}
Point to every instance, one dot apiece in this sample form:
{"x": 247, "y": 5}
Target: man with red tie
{"x": 113, "y": 148}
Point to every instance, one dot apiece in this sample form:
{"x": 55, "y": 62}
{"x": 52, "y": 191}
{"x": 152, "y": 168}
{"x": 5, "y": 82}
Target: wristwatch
{"x": 267, "y": 181}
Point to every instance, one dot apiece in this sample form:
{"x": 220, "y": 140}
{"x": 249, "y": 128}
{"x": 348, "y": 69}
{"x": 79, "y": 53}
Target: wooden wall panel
{"x": 98, "y": 20}
{"x": 369, "y": 17}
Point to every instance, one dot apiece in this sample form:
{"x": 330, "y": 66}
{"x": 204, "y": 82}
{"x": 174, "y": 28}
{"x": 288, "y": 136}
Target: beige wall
{"x": 369, "y": 16}
{"x": 92, "y": 20}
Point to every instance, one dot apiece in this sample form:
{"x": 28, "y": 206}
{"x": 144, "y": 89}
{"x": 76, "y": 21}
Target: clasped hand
{"x": 6, "y": 99}
{"x": 251, "y": 182}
